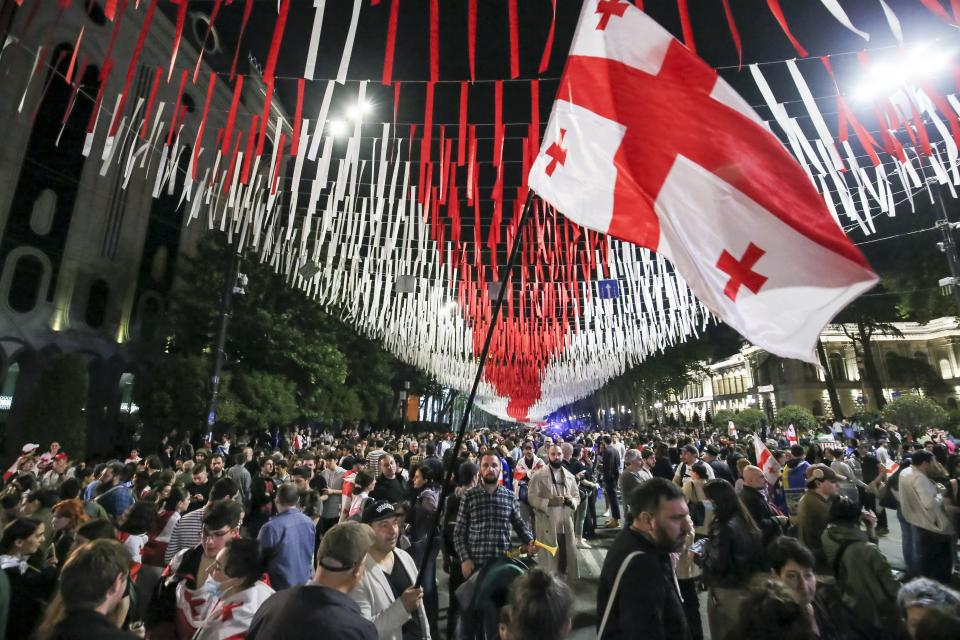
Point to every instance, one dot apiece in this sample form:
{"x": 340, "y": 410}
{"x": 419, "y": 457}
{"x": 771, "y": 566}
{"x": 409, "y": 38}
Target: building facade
{"x": 87, "y": 262}
{"x": 922, "y": 359}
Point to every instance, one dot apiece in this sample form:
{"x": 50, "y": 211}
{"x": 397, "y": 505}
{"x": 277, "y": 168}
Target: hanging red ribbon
{"x": 734, "y": 33}
{"x": 534, "y": 133}
{"x": 177, "y": 33}
{"x": 396, "y": 102}
{"x": 472, "y": 38}
{"x": 232, "y": 114}
{"x": 427, "y": 126}
{"x": 270, "y": 68}
{"x": 548, "y": 46}
{"x": 114, "y": 32}
{"x": 248, "y": 154}
{"x": 514, "y": 39}
{"x": 434, "y": 40}
{"x": 176, "y": 106}
{"x": 462, "y": 128}
{"x": 497, "y": 122}
{"x": 153, "y": 95}
{"x": 203, "y": 123}
{"x": 247, "y": 7}
{"x": 391, "y": 43}
{"x": 778, "y": 14}
{"x": 109, "y": 10}
{"x": 686, "y": 26}
{"x": 265, "y": 117}
{"x": 937, "y": 9}
{"x": 132, "y": 68}
{"x": 297, "y": 118}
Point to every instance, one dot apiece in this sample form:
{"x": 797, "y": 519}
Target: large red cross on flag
{"x": 658, "y": 150}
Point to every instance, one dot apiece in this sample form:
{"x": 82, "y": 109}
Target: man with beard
{"x": 390, "y": 486}
{"x": 486, "y": 514}
{"x": 528, "y": 465}
{"x": 638, "y": 597}
{"x": 555, "y": 496}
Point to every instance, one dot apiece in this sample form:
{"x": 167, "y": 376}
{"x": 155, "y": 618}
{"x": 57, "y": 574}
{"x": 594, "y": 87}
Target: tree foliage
{"x": 915, "y": 413}
{"x": 56, "y": 408}
{"x": 799, "y": 417}
{"x": 287, "y": 357}
{"x": 749, "y": 420}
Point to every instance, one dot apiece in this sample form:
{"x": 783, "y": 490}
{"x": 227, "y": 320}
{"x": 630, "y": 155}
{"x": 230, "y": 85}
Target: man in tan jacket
{"x": 554, "y": 497}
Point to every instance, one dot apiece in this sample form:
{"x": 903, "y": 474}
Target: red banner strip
{"x": 472, "y": 38}
{"x": 176, "y": 107}
{"x": 514, "y": 39}
{"x": 232, "y": 115}
{"x": 778, "y": 14}
{"x": 243, "y": 26}
{"x": 548, "y": 46}
{"x": 132, "y": 68}
{"x": 497, "y": 122}
{"x": 297, "y": 118}
{"x": 462, "y": 129}
{"x": 270, "y": 68}
{"x": 734, "y": 33}
{"x": 203, "y": 122}
{"x": 686, "y": 26}
{"x": 153, "y": 95}
{"x": 434, "y": 40}
{"x": 391, "y": 44}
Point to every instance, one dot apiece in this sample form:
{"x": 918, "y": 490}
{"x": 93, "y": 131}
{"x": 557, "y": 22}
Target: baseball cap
{"x": 30, "y": 448}
{"x": 344, "y": 546}
{"x": 712, "y": 450}
{"x": 61, "y": 456}
{"x": 822, "y": 472}
{"x": 377, "y": 510}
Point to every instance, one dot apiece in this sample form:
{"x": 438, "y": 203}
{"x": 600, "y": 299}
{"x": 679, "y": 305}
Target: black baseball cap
{"x": 377, "y": 510}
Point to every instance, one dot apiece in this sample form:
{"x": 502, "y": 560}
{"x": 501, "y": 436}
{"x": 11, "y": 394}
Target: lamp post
{"x": 234, "y": 283}
{"x": 403, "y": 406}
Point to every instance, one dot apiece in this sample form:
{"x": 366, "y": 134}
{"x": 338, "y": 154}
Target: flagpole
{"x": 451, "y": 466}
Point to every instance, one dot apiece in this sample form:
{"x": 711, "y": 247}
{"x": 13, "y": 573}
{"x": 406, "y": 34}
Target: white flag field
{"x": 648, "y": 144}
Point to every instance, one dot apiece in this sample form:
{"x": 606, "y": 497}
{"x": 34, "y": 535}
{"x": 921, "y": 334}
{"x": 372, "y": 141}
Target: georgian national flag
{"x": 765, "y": 460}
{"x": 648, "y": 144}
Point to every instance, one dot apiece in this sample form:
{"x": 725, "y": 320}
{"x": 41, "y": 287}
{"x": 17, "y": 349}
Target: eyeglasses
{"x": 215, "y": 534}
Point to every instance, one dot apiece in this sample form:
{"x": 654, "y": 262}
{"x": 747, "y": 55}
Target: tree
{"x": 835, "y": 405}
{"x": 287, "y": 357}
{"x": 798, "y": 416}
{"x": 915, "y": 413}
{"x": 749, "y": 420}
{"x": 870, "y": 315}
{"x": 918, "y": 373}
{"x": 56, "y": 409}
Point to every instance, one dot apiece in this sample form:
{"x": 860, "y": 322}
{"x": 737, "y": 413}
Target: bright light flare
{"x": 357, "y": 111}
{"x": 920, "y": 63}
{"x": 337, "y": 128}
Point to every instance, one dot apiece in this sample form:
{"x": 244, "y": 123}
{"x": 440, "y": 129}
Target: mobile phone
{"x": 699, "y": 546}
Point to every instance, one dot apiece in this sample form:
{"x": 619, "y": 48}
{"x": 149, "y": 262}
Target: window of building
{"x": 97, "y": 299}
{"x": 946, "y": 371}
{"x": 838, "y": 368}
{"x": 25, "y": 284}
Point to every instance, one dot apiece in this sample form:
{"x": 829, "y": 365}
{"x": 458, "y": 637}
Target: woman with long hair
{"x": 732, "y": 557}
{"x": 68, "y": 516}
{"x": 425, "y": 481}
{"x": 30, "y": 587}
{"x": 236, "y": 590}
{"x": 174, "y": 506}
{"x": 363, "y": 484}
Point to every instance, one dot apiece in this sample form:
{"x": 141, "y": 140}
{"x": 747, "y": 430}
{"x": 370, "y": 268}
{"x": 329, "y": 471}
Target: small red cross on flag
{"x": 741, "y": 271}
{"x": 669, "y": 157}
{"x": 608, "y": 8}
{"x": 558, "y": 155}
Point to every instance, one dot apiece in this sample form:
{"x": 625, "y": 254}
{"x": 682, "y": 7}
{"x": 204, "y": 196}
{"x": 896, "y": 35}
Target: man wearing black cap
{"x": 300, "y": 612}
{"x": 711, "y": 455}
{"x": 386, "y": 594}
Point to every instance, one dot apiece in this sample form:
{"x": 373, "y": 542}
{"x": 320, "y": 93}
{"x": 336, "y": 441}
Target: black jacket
{"x": 761, "y": 513}
{"x": 88, "y": 625}
{"x": 647, "y": 604}
{"x": 733, "y": 555}
{"x": 307, "y": 612}
{"x": 611, "y": 464}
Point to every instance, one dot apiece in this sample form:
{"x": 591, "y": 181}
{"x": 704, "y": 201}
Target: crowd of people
{"x": 276, "y": 535}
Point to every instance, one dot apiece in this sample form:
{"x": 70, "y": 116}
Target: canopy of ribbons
{"x": 403, "y": 215}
